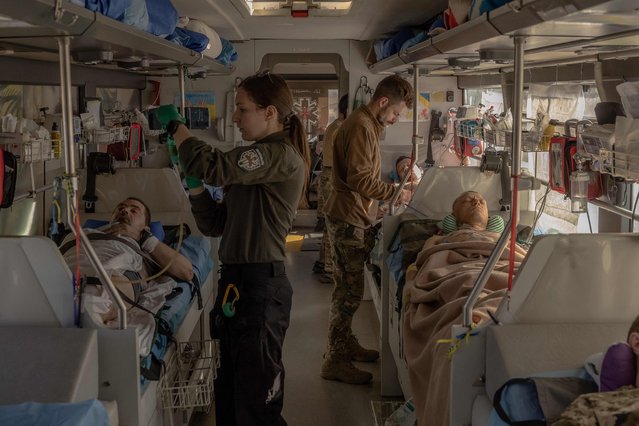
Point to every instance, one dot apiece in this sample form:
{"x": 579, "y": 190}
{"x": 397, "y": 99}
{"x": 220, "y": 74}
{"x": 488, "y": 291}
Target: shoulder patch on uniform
{"x": 250, "y": 160}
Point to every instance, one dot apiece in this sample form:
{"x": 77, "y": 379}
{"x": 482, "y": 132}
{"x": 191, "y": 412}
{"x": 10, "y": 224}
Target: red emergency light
{"x": 299, "y": 9}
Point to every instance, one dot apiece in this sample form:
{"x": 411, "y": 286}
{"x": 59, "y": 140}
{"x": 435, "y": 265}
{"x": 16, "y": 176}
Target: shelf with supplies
{"x": 28, "y": 150}
{"x": 190, "y": 372}
{"x": 535, "y": 142}
{"x": 619, "y": 164}
{"x": 106, "y": 135}
{"x": 503, "y": 138}
{"x": 95, "y": 39}
{"x": 556, "y": 28}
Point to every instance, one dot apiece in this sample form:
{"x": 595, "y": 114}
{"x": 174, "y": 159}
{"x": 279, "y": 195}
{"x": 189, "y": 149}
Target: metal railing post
{"x": 69, "y": 169}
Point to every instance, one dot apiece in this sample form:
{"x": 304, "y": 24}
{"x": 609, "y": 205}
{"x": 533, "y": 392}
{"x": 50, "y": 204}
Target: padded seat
{"x": 48, "y": 364}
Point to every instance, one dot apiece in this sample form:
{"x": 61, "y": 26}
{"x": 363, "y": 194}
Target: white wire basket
{"x": 498, "y": 137}
{"x": 535, "y": 142}
{"x": 190, "y": 372}
{"x": 31, "y": 151}
{"x": 107, "y": 135}
{"x": 619, "y": 164}
{"x": 471, "y": 129}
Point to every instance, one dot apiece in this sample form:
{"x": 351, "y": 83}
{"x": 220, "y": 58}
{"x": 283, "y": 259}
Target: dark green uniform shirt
{"x": 263, "y": 183}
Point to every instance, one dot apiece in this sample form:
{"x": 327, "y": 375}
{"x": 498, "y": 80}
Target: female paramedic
{"x": 263, "y": 185}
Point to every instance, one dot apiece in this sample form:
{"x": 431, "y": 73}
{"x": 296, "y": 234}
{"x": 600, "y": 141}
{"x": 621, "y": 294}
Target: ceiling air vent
{"x": 499, "y": 56}
{"x": 93, "y": 57}
{"x": 463, "y": 63}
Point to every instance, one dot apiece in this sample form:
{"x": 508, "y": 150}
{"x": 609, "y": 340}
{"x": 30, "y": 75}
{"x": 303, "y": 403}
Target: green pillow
{"x": 449, "y": 224}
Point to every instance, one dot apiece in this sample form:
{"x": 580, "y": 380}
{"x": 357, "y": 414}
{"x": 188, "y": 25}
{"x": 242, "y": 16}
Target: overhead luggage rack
{"x": 558, "y": 30}
{"x": 95, "y": 39}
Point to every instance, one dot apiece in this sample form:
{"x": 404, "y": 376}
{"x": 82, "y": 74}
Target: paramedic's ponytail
{"x": 298, "y": 140}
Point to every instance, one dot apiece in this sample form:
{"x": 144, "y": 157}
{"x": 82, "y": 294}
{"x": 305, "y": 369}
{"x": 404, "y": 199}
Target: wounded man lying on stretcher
{"x": 128, "y": 252}
{"x": 436, "y": 289}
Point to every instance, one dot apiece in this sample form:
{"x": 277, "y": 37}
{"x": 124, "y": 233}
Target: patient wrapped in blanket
{"x": 437, "y": 286}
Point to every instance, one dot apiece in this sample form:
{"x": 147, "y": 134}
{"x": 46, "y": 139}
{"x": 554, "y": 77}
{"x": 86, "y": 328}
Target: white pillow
{"x": 215, "y": 44}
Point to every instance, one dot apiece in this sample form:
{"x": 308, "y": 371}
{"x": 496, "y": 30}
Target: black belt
{"x": 270, "y": 269}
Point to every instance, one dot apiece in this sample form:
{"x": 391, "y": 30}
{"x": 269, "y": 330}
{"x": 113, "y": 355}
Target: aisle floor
{"x": 310, "y": 400}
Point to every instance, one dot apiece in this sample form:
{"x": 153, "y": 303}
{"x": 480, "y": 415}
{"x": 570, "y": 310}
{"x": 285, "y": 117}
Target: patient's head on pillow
{"x": 619, "y": 365}
{"x": 402, "y": 165}
{"x": 132, "y": 211}
{"x": 470, "y": 209}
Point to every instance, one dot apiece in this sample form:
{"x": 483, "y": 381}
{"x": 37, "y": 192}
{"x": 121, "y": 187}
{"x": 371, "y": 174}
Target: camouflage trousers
{"x": 351, "y": 248}
{"x": 325, "y": 187}
{"x": 616, "y": 408}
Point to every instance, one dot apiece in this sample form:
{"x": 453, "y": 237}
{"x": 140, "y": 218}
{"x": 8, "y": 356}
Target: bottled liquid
{"x": 403, "y": 416}
{"x": 56, "y": 140}
{"x": 549, "y": 131}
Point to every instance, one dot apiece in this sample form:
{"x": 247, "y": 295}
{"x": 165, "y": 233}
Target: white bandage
{"x": 150, "y": 244}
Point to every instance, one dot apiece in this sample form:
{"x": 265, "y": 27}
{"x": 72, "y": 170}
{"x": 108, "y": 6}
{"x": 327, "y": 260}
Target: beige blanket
{"x": 434, "y": 296}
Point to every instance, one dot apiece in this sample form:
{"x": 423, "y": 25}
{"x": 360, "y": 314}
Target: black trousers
{"x": 249, "y": 390}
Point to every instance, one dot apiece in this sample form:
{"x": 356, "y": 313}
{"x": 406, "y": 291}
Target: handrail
{"x": 515, "y": 172}
{"x": 32, "y": 192}
{"x": 69, "y": 168}
{"x": 482, "y": 279}
{"x": 398, "y": 191}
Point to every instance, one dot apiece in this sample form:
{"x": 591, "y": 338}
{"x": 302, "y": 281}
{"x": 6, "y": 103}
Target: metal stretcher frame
{"x": 118, "y": 351}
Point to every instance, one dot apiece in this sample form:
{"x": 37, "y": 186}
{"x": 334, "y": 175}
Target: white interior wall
{"x": 353, "y": 54}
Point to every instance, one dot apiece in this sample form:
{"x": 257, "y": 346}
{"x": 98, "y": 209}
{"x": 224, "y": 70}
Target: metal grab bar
{"x": 398, "y": 191}
{"x": 516, "y": 150}
{"x": 485, "y": 274}
{"x": 69, "y": 168}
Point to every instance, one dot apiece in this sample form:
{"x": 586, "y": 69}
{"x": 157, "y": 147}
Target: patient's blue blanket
{"x": 90, "y": 412}
{"x": 198, "y": 251}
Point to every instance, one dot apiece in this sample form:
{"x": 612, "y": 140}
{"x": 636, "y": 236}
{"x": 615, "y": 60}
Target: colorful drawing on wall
{"x": 423, "y": 109}
{"x": 199, "y": 99}
{"x": 438, "y": 96}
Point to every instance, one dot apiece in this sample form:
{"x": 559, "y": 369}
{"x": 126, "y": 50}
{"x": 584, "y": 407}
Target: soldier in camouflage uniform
{"x": 324, "y": 265}
{"x": 263, "y": 185}
{"x": 351, "y": 210}
{"x": 617, "y": 408}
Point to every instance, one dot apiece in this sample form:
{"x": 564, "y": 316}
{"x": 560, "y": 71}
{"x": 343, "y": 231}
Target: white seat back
{"x": 160, "y": 189}
{"x": 577, "y": 278}
{"x": 440, "y": 186}
{"x": 36, "y": 284}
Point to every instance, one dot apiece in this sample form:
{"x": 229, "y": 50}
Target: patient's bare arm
{"x": 181, "y": 268}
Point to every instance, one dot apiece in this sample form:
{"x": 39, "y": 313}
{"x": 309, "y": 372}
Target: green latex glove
{"x": 168, "y": 113}
{"x": 173, "y": 152}
{"x": 193, "y": 183}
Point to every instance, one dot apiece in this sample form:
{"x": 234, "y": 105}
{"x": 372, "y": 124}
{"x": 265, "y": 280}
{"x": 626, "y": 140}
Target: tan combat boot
{"x": 360, "y": 354}
{"x": 342, "y": 370}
